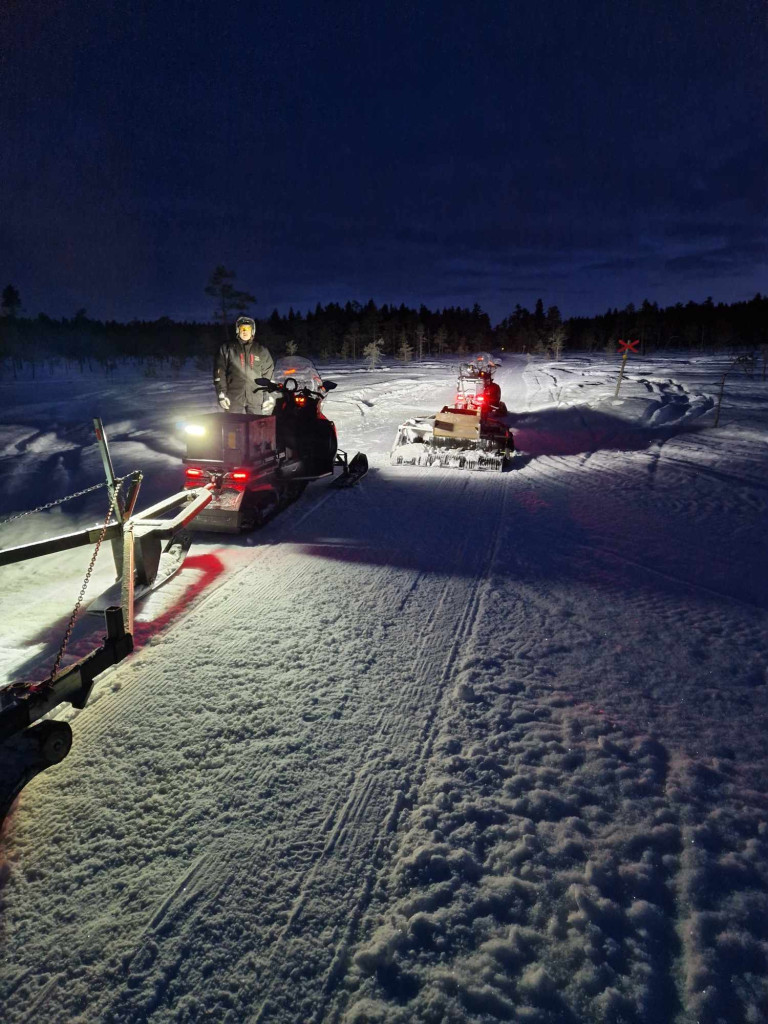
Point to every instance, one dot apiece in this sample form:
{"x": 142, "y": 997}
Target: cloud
{"x": 619, "y": 263}
{"x": 726, "y": 260}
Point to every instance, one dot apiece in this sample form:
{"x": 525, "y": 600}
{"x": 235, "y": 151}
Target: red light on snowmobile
{"x": 292, "y": 370}
{"x": 193, "y": 473}
{"x": 240, "y": 475}
{"x": 479, "y": 399}
{"x": 300, "y": 400}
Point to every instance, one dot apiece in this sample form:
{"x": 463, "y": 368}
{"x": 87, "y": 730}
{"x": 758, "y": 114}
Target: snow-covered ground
{"x": 443, "y": 747}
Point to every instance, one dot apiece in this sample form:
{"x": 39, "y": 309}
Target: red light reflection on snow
{"x": 210, "y": 567}
{"x": 207, "y": 568}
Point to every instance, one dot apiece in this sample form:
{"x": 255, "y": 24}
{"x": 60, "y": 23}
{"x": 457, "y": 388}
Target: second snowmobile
{"x": 470, "y": 434}
{"x": 256, "y": 465}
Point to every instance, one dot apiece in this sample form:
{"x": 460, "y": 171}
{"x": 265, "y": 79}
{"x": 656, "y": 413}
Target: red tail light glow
{"x": 240, "y": 475}
{"x": 193, "y": 473}
{"x": 300, "y": 400}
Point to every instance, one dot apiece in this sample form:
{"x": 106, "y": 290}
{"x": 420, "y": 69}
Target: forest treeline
{"x": 336, "y": 331}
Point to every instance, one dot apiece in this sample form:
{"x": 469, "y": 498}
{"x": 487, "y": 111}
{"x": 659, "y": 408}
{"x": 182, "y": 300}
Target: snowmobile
{"x": 470, "y": 434}
{"x": 258, "y": 464}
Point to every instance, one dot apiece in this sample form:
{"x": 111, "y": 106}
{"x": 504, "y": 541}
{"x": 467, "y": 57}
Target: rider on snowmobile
{"x": 237, "y": 367}
{"x": 491, "y": 398}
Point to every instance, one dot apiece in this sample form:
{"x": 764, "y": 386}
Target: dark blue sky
{"x": 592, "y": 153}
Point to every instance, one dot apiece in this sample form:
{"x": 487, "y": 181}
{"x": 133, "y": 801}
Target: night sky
{"x": 592, "y": 153}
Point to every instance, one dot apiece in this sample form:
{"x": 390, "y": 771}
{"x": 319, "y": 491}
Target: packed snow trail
{"x": 310, "y": 747}
{"x": 447, "y": 746}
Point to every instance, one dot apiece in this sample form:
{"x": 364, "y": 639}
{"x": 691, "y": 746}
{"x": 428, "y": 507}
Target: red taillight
{"x": 240, "y": 475}
{"x": 479, "y": 399}
{"x": 193, "y": 473}
{"x": 300, "y": 400}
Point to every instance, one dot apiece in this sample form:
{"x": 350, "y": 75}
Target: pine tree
{"x": 229, "y": 300}
{"x": 420, "y": 338}
{"x": 372, "y": 353}
{"x": 11, "y": 302}
{"x": 557, "y": 339}
{"x": 405, "y": 352}
{"x": 355, "y": 338}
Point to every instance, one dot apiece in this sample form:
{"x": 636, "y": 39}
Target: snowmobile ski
{"x": 353, "y": 471}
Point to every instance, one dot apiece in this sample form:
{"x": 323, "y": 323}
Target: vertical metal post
{"x": 621, "y": 373}
{"x": 126, "y": 593}
{"x": 113, "y": 616}
{"x": 106, "y": 459}
{"x": 131, "y": 493}
{"x": 120, "y": 514}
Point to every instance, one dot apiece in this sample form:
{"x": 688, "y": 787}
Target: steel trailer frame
{"x": 139, "y": 540}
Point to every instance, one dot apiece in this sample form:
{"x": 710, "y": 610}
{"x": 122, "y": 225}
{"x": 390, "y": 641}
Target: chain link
{"x": 51, "y": 504}
{"x": 60, "y": 501}
{"x": 86, "y": 581}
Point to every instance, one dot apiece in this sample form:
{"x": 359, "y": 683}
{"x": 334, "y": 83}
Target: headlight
{"x": 195, "y": 430}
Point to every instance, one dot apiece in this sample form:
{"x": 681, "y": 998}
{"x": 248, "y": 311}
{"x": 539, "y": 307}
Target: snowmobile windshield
{"x": 302, "y": 370}
{"x": 481, "y": 362}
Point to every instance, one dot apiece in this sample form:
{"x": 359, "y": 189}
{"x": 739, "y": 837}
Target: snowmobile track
{"x": 345, "y": 836}
{"x": 357, "y": 849}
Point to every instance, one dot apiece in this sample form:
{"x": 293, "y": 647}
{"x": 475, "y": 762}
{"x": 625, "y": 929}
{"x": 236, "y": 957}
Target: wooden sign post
{"x": 626, "y": 347}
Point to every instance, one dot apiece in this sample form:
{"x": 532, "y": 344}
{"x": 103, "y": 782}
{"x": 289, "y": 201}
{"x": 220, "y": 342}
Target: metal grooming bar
{"x": 139, "y": 542}
{"x": 143, "y": 531}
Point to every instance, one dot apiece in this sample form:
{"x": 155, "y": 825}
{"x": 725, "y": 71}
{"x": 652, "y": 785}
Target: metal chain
{"x": 51, "y": 504}
{"x": 86, "y": 581}
{"x": 60, "y": 501}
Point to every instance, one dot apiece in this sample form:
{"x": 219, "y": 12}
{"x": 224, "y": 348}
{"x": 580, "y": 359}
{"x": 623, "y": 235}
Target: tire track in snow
{"x": 464, "y": 614}
{"x": 339, "y": 805}
{"x": 117, "y": 706}
{"x": 357, "y": 848}
{"x": 676, "y": 485}
{"x": 358, "y": 823}
{"x": 123, "y": 711}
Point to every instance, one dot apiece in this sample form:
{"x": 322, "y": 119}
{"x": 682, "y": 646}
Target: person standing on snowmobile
{"x": 238, "y": 365}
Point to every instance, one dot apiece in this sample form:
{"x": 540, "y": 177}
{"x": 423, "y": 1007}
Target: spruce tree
{"x": 229, "y": 300}
{"x": 11, "y": 302}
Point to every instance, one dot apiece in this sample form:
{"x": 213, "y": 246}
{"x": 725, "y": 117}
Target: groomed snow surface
{"x": 445, "y": 747}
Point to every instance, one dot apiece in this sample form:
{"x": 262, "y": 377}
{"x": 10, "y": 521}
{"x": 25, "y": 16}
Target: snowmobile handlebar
{"x": 265, "y": 384}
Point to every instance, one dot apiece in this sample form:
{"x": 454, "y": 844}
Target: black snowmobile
{"x": 256, "y": 465}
